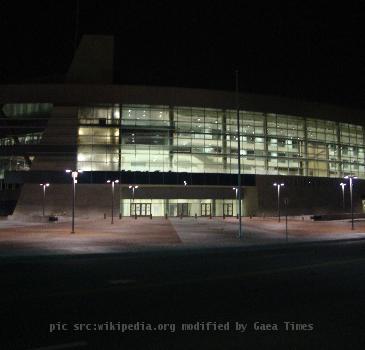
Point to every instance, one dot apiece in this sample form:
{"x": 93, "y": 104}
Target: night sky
{"x": 295, "y": 48}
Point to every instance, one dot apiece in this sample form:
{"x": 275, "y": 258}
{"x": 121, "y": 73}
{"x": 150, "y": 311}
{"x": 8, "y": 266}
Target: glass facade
{"x": 16, "y": 110}
{"x": 203, "y": 140}
{"x": 21, "y": 124}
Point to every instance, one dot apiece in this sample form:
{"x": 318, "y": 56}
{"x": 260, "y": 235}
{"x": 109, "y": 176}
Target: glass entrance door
{"x": 228, "y": 209}
{"x": 205, "y": 209}
{"x": 140, "y": 209}
{"x": 183, "y": 209}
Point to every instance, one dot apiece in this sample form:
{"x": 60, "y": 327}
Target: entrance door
{"x": 134, "y": 209}
{"x": 183, "y": 209}
{"x": 228, "y": 209}
{"x": 205, "y": 209}
{"x": 145, "y": 209}
{"x": 140, "y": 209}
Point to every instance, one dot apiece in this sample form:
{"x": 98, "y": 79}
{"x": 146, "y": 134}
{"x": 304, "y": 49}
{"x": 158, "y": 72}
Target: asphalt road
{"x": 78, "y": 302}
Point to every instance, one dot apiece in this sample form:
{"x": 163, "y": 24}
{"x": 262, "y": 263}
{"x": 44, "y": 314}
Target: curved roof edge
{"x": 83, "y": 94}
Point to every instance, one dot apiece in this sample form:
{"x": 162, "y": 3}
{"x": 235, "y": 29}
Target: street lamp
{"x": 44, "y": 186}
{"x": 113, "y": 182}
{"x": 133, "y": 189}
{"x": 182, "y": 210}
{"x": 342, "y": 184}
{"x": 239, "y": 195}
{"x": 350, "y": 177}
{"x": 236, "y": 189}
{"x": 74, "y": 174}
{"x": 278, "y": 186}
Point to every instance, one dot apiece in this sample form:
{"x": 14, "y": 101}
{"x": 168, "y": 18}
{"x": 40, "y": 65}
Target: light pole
{"x": 342, "y": 184}
{"x": 351, "y": 178}
{"x": 278, "y": 186}
{"x": 182, "y": 206}
{"x": 113, "y": 182}
{"x": 74, "y": 174}
{"x": 239, "y": 195}
{"x": 44, "y": 186}
{"x": 236, "y": 189}
{"x": 133, "y": 189}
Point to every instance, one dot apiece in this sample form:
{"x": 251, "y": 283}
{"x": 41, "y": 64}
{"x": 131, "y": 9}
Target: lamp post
{"x": 74, "y": 174}
{"x": 236, "y": 189}
{"x": 278, "y": 186}
{"x": 113, "y": 182}
{"x": 44, "y": 186}
{"x": 240, "y": 234}
{"x": 133, "y": 189}
{"x": 342, "y": 184}
{"x": 182, "y": 206}
{"x": 351, "y": 178}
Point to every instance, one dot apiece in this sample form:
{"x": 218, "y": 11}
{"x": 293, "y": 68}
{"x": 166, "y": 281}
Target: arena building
{"x": 179, "y": 146}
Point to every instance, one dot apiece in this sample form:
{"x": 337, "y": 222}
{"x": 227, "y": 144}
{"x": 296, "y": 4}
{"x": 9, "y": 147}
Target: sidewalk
{"x": 127, "y": 235}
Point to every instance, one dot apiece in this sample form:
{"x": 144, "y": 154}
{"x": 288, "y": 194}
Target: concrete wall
{"x": 62, "y": 129}
{"x": 95, "y": 200}
{"x": 93, "y": 61}
{"x": 250, "y": 201}
{"x": 90, "y": 200}
{"x": 307, "y": 196}
{"x": 8, "y": 200}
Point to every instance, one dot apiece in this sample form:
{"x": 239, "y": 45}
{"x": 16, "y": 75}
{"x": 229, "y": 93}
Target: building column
{"x": 266, "y": 147}
{"x": 305, "y": 148}
{"x": 363, "y": 142}
{"x": 171, "y": 136}
{"x": 120, "y": 142}
{"x": 166, "y": 207}
{"x": 339, "y": 157}
{"x": 328, "y": 160}
{"x": 224, "y": 140}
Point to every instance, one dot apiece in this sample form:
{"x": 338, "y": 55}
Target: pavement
{"x": 19, "y": 238}
{"x": 317, "y": 289}
{"x": 182, "y": 271}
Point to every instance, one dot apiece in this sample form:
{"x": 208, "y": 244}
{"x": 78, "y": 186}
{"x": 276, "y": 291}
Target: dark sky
{"x": 294, "y": 48}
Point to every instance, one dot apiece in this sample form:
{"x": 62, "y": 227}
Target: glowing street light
{"x": 44, "y": 186}
{"x": 133, "y": 189}
{"x": 74, "y": 174}
{"x": 236, "y": 189}
{"x": 113, "y": 182}
{"x": 351, "y": 178}
{"x": 342, "y": 184}
{"x": 278, "y": 186}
